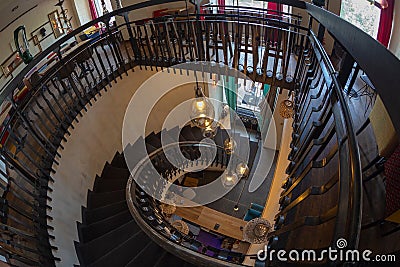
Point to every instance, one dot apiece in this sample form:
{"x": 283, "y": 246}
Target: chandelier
{"x": 256, "y": 231}
{"x": 168, "y": 209}
{"x": 181, "y": 226}
{"x": 286, "y": 109}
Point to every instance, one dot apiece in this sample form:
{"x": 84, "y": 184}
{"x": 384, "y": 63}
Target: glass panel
{"x": 362, "y": 14}
{"x": 249, "y": 3}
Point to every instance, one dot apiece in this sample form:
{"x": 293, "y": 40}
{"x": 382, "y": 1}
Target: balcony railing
{"x": 273, "y": 49}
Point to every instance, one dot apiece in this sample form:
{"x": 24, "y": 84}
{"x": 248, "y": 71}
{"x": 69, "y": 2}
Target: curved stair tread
{"x": 147, "y": 257}
{"x": 124, "y": 252}
{"x": 112, "y": 172}
{"x": 94, "y": 230}
{"x": 92, "y": 215}
{"x": 96, "y": 248}
{"x": 187, "y": 134}
{"x": 97, "y": 200}
{"x": 154, "y": 139}
{"x": 109, "y": 236}
{"x": 103, "y": 185}
{"x": 119, "y": 161}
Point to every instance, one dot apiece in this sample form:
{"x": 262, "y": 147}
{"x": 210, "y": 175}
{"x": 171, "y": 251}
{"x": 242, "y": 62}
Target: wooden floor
{"x": 373, "y": 234}
{"x": 209, "y": 218}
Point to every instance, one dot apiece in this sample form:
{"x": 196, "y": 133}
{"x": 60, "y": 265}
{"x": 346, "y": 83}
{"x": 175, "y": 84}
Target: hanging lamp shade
{"x": 256, "y": 231}
{"x": 229, "y": 145}
{"x": 210, "y": 131}
{"x": 286, "y": 109}
{"x": 229, "y": 179}
{"x": 242, "y": 170}
{"x": 202, "y": 112}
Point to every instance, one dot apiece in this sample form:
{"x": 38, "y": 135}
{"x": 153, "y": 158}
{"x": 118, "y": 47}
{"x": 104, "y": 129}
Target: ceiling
{"x": 13, "y": 9}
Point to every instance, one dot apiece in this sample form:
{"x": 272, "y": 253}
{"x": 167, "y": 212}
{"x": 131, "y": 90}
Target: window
{"x": 99, "y": 7}
{"x": 249, "y": 3}
{"x": 362, "y": 14}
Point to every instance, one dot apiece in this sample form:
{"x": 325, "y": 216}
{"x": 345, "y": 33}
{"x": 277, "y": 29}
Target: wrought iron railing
{"x": 323, "y": 140}
{"x": 142, "y": 199}
{"x": 272, "y": 49}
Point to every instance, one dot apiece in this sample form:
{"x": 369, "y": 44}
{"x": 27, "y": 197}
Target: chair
{"x": 257, "y": 207}
{"x": 223, "y": 255}
{"x": 176, "y": 236}
{"x": 251, "y": 214}
{"x": 196, "y": 245}
{"x": 83, "y": 37}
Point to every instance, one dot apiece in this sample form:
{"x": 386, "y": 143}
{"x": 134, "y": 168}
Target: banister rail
{"x": 380, "y": 65}
{"x": 56, "y": 46}
{"x": 323, "y": 139}
{"x": 170, "y": 239}
{"x": 161, "y": 230}
{"x": 353, "y": 164}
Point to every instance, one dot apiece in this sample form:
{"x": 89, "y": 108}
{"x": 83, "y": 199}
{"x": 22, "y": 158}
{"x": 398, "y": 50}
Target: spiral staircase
{"x": 108, "y": 234}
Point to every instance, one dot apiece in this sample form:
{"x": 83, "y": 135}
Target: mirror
{"x": 55, "y": 23}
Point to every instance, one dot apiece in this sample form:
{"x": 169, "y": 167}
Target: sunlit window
{"x": 248, "y": 3}
{"x": 362, "y": 14}
{"x": 99, "y": 8}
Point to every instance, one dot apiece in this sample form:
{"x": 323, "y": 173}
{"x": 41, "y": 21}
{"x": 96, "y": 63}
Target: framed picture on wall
{"x": 55, "y": 22}
{"x": 10, "y": 64}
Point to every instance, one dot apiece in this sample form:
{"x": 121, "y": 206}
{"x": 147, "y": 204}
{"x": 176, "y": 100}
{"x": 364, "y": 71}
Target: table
{"x": 41, "y": 68}
{"x": 207, "y": 218}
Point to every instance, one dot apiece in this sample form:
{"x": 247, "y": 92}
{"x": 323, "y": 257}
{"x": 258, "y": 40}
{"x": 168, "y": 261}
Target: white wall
{"x": 82, "y": 11}
{"x": 32, "y": 20}
{"x": 95, "y": 140}
{"x": 277, "y": 118}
